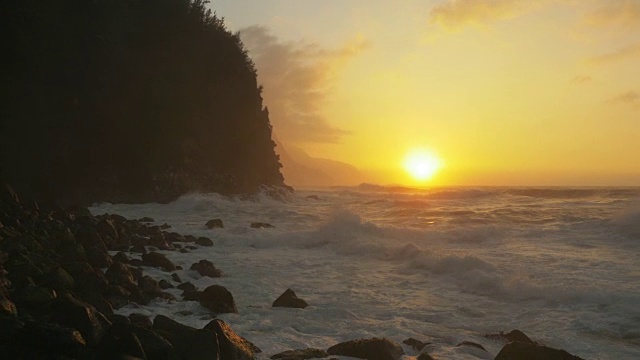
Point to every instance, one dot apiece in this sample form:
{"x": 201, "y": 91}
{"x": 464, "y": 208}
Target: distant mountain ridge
{"x": 128, "y": 101}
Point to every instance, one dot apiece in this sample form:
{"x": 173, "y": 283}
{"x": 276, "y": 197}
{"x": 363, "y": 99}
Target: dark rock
{"x": 86, "y": 278}
{"x": 191, "y": 295}
{"x": 121, "y": 257}
{"x": 136, "y": 262}
{"x": 206, "y": 268}
{"x": 174, "y": 237}
{"x": 513, "y": 335}
{"x": 214, "y": 224}
{"x": 155, "y": 346}
{"x": 290, "y": 299}
{"x": 105, "y": 227}
{"x": 158, "y": 260}
{"x": 117, "y": 296}
{"x": 149, "y": 288}
{"x": 184, "y": 251}
{"x": 120, "y": 274}
{"x": 99, "y": 302}
{"x": 138, "y": 248}
{"x": 416, "y": 344}
{"x": 472, "y": 344}
{"x": 140, "y": 320}
{"x": 118, "y": 319}
{"x": 522, "y": 351}
{"x": 189, "y": 342}
{"x": 370, "y": 349}
{"x": 80, "y": 315}
{"x": 160, "y": 242}
{"x": 232, "y": 346}
{"x": 190, "y": 238}
{"x": 187, "y": 286}
{"x": 146, "y": 220}
{"x": 165, "y": 226}
{"x": 7, "y": 307}
{"x": 136, "y": 272}
{"x": 59, "y": 280}
{"x": 303, "y": 354}
{"x": 45, "y": 341}
{"x": 164, "y": 284}
{"x": 176, "y": 278}
{"x": 218, "y": 299}
{"x": 120, "y": 343}
{"x": 204, "y": 241}
{"x": 33, "y": 297}
{"x": 261, "y": 225}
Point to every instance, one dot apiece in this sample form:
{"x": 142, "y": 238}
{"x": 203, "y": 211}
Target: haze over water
{"x": 443, "y": 266}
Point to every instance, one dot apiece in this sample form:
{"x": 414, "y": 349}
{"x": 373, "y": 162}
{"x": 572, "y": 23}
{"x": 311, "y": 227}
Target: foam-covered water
{"x": 444, "y": 265}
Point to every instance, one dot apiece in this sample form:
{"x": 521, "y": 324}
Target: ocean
{"x": 443, "y": 265}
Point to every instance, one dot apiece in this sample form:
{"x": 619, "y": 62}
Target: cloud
{"x": 581, "y": 79}
{"x": 614, "y": 13}
{"x": 455, "y": 14}
{"x": 297, "y": 79}
{"x": 630, "y": 97}
{"x": 618, "y": 55}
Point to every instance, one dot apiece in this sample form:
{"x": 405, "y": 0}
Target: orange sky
{"x": 510, "y": 92}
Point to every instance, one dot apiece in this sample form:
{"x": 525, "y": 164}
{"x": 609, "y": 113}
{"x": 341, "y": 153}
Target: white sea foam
{"x": 442, "y": 265}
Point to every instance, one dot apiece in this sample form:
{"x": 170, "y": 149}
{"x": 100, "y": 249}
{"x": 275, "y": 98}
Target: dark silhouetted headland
{"x": 128, "y": 101}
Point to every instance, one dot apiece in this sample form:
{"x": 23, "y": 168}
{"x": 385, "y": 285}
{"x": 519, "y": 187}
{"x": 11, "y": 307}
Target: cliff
{"x": 128, "y": 101}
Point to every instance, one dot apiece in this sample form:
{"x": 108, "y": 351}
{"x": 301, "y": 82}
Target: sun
{"x": 422, "y": 165}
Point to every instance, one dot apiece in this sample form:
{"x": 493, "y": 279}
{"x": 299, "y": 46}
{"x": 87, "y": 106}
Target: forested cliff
{"x": 128, "y": 100}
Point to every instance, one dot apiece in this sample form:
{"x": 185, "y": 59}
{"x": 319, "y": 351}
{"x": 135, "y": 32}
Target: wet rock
{"x": 59, "y": 280}
{"x": 164, "y": 284}
{"x": 99, "y": 302}
{"x": 513, "y": 335}
{"x": 303, "y": 354}
{"x": 165, "y": 226}
{"x": 146, "y": 220}
{"x": 523, "y": 351}
{"x": 120, "y": 274}
{"x": 136, "y": 262}
{"x": 187, "y": 286}
{"x": 261, "y": 225}
{"x": 138, "y": 248}
{"x": 154, "y": 345}
{"x": 86, "y": 278}
{"x": 416, "y": 344}
{"x": 189, "y": 342}
{"x": 290, "y": 299}
{"x": 140, "y": 320}
{"x": 117, "y": 296}
{"x": 121, "y": 257}
{"x": 472, "y": 344}
{"x": 174, "y": 237}
{"x": 45, "y": 341}
{"x": 149, "y": 288}
{"x": 120, "y": 343}
{"x": 190, "y": 238}
{"x": 7, "y": 307}
{"x": 206, "y": 268}
{"x": 176, "y": 278}
{"x": 218, "y": 299}
{"x": 159, "y": 241}
{"x": 203, "y": 241}
{"x": 214, "y": 224}
{"x": 370, "y": 349}
{"x": 32, "y": 297}
{"x": 232, "y": 346}
{"x": 158, "y": 260}
{"x": 80, "y": 315}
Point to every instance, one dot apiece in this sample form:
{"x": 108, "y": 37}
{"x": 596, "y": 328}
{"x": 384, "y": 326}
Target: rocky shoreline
{"x": 63, "y": 272}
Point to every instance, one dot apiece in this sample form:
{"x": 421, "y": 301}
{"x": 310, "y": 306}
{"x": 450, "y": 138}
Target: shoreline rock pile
{"x": 59, "y": 286}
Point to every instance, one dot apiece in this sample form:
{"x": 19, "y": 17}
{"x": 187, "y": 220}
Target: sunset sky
{"x": 504, "y": 92}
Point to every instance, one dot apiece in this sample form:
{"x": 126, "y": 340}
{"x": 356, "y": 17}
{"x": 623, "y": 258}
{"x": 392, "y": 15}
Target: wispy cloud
{"x": 580, "y": 79}
{"x": 618, "y": 55}
{"x": 630, "y": 97}
{"x": 614, "y": 13}
{"x": 298, "y": 78}
{"x": 455, "y": 14}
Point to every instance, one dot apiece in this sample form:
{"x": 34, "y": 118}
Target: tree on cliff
{"x": 128, "y": 100}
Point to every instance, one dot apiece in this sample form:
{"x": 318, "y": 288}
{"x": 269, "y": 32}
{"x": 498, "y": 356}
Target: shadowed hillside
{"x": 128, "y": 101}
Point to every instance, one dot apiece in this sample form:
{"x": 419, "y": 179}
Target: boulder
{"x": 218, "y": 299}
{"x": 214, "y": 224}
{"x": 120, "y": 343}
{"x": 32, "y": 297}
{"x": 472, "y": 344}
{"x": 204, "y": 241}
{"x": 190, "y": 343}
{"x": 174, "y": 237}
{"x": 146, "y": 219}
{"x": 119, "y": 274}
{"x": 158, "y": 260}
{"x": 140, "y": 320}
{"x": 175, "y": 277}
{"x": 232, "y": 346}
{"x": 121, "y": 257}
{"x": 523, "y": 351}
{"x": 91, "y": 323}
{"x": 206, "y": 268}
{"x": 424, "y": 356}
{"x": 513, "y": 335}
{"x": 154, "y": 345}
{"x": 164, "y": 284}
{"x": 309, "y": 353}
{"x": 39, "y": 340}
{"x": 261, "y": 225}
{"x": 59, "y": 280}
{"x": 416, "y": 344}
{"x": 370, "y": 349}
{"x": 7, "y": 307}
{"x": 290, "y": 299}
